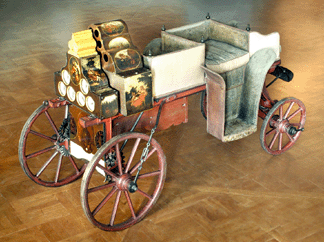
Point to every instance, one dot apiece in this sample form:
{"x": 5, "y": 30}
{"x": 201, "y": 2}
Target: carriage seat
{"x": 222, "y": 57}
{"x": 227, "y": 48}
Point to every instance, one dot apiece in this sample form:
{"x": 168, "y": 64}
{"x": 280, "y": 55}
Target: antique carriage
{"x": 108, "y": 90}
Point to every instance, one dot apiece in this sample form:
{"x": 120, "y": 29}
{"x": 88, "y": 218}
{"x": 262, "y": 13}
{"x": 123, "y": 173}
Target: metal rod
{"x": 66, "y": 111}
{"x": 132, "y": 129}
{"x": 136, "y": 122}
{"x": 272, "y": 82}
{"x": 146, "y": 149}
{"x": 159, "y": 114}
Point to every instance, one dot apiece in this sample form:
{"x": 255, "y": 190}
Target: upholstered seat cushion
{"x": 222, "y": 57}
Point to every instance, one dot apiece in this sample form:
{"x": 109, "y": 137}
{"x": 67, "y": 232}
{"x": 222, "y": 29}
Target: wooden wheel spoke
{"x": 104, "y": 201}
{"x": 59, "y": 164}
{"x": 135, "y": 167}
{"x": 40, "y": 152}
{"x": 290, "y": 137}
{"x": 52, "y": 123}
{"x": 288, "y": 110}
{"x": 294, "y": 113}
{"x": 46, "y": 164}
{"x": 144, "y": 194}
{"x": 273, "y": 140}
{"x": 73, "y": 163}
{"x": 139, "y": 163}
{"x": 101, "y": 187}
{"x": 108, "y": 172}
{"x": 130, "y": 204}
{"x": 42, "y": 135}
{"x": 270, "y": 132}
{"x": 119, "y": 160}
{"x": 151, "y": 152}
{"x": 114, "y": 212}
{"x": 131, "y": 157}
{"x": 295, "y": 124}
{"x": 150, "y": 174}
{"x": 280, "y": 141}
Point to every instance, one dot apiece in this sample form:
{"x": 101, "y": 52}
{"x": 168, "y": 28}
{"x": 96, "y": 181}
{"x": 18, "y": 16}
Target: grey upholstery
{"x": 222, "y": 57}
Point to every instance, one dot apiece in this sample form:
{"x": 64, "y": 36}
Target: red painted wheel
{"x": 106, "y": 191}
{"x": 44, "y": 148}
{"x": 283, "y": 125}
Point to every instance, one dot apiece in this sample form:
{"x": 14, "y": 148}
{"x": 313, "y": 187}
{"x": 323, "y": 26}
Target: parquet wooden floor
{"x": 214, "y": 191}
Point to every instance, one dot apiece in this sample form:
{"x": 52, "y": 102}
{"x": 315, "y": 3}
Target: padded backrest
{"x": 228, "y": 34}
{"x": 171, "y": 43}
{"x": 192, "y": 32}
{"x": 210, "y": 29}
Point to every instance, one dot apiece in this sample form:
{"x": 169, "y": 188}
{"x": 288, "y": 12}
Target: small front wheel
{"x": 110, "y": 198}
{"x": 283, "y": 125}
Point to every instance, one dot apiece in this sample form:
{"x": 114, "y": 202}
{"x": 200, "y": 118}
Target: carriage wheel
{"x": 203, "y": 103}
{"x": 44, "y": 147}
{"x": 283, "y": 125}
{"x": 108, "y": 197}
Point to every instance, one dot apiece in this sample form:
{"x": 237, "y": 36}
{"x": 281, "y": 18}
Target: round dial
{"x": 80, "y": 99}
{"x": 84, "y": 86}
{"x": 90, "y": 104}
{"x": 71, "y": 93}
{"x": 66, "y": 77}
{"x": 61, "y": 88}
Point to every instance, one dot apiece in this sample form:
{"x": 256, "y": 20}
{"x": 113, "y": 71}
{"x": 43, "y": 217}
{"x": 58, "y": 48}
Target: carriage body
{"x": 108, "y": 90}
{"x": 183, "y": 60}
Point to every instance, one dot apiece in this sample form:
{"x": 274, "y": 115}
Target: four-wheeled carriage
{"x": 107, "y": 91}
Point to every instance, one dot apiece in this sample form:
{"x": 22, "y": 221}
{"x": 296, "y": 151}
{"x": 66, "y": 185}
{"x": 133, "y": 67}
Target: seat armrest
{"x": 258, "y": 41}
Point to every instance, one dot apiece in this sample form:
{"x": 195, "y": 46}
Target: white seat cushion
{"x": 222, "y": 57}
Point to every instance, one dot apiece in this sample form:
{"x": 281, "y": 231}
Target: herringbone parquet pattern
{"x": 214, "y": 191}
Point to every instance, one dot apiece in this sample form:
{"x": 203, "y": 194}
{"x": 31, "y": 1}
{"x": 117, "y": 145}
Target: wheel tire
{"x": 110, "y": 205}
{"x": 277, "y": 134}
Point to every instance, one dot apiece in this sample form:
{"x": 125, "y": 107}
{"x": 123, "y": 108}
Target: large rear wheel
{"x": 108, "y": 196}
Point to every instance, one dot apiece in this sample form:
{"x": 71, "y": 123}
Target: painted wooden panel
{"x": 135, "y": 90}
{"x": 173, "y": 113}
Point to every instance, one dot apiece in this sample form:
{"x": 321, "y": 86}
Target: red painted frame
{"x": 266, "y": 103}
{"x": 90, "y": 121}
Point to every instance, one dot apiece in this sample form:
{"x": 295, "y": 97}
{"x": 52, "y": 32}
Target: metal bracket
{"x": 133, "y": 185}
{"x": 282, "y": 73}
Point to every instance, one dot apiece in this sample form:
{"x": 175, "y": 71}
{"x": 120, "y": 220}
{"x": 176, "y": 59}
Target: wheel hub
{"x": 61, "y": 148}
{"x": 274, "y": 121}
{"x": 293, "y": 130}
{"x": 123, "y": 182}
{"x": 281, "y": 125}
